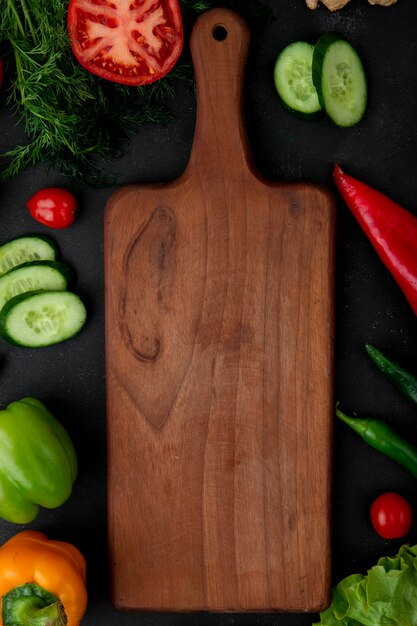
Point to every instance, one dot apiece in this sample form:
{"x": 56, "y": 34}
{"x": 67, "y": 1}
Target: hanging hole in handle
{"x": 219, "y": 32}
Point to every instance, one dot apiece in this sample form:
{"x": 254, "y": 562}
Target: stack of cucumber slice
{"x": 36, "y": 310}
{"x": 326, "y": 77}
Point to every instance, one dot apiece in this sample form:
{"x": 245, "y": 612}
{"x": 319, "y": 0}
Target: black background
{"x": 382, "y": 151}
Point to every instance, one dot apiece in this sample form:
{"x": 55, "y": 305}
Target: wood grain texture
{"x": 219, "y": 348}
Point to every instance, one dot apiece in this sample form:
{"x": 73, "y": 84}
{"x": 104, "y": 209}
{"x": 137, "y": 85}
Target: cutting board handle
{"x": 219, "y": 47}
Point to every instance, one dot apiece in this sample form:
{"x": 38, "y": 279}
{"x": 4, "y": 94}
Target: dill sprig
{"x": 74, "y": 121}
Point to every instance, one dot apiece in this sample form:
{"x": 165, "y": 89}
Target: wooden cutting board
{"x": 219, "y": 344}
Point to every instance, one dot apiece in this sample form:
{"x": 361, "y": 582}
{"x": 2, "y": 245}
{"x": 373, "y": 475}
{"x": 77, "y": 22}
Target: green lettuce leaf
{"x": 385, "y": 596}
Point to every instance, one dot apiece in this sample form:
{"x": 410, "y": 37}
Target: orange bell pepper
{"x": 47, "y": 578}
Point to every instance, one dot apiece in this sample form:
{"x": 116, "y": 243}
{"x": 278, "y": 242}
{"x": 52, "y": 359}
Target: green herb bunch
{"x": 75, "y": 121}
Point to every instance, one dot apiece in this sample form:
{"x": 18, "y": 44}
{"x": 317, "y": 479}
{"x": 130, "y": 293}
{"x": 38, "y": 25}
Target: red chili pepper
{"x": 391, "y": 229}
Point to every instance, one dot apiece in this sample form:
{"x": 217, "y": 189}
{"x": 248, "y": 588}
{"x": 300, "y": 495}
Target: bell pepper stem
{"x": 31, "y": 605}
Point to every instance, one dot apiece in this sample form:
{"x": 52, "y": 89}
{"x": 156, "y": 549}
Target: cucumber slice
{"x": 340, "y": 80}
{"x": 34, "y": 276}
{"x": 41, "y": 318}
{"x": 24, "y": 249}
{"x": 294, "y": 82}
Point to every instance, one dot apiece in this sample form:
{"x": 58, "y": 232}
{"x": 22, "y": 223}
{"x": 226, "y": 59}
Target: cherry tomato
{"x": 133, "y": 42}
{"x": 391, "y": 515}
{"x": 53, "y": 206}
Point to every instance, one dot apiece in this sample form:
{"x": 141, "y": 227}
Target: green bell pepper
{"x": 38, "y": 463}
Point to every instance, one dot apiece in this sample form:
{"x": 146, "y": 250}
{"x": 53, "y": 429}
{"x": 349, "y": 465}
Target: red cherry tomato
{"x": 391, "y": 515}
{"x": 133, "y": 43}
{"x": 53, "y": 206}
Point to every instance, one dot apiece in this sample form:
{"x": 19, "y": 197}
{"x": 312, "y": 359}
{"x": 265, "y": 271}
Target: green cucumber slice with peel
{"x": 340, "y": 80}
{"x": 41, "y": 318}
{"x": 34, "y": 276}
{"x": 294, "y": 82}
{"x": 24, "y": 249}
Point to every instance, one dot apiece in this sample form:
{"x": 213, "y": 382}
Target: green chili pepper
{"x": 403, "y": 380}
{"x": 383, "y": 438}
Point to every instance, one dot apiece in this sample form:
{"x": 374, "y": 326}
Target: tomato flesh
{"x": 133, "y": 42}
{"x": 53, "y": 206}
{"x": 391, "y": 515}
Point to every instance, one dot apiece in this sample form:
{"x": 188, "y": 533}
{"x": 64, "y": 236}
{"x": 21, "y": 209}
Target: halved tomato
{"x": 133, "y": 42}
